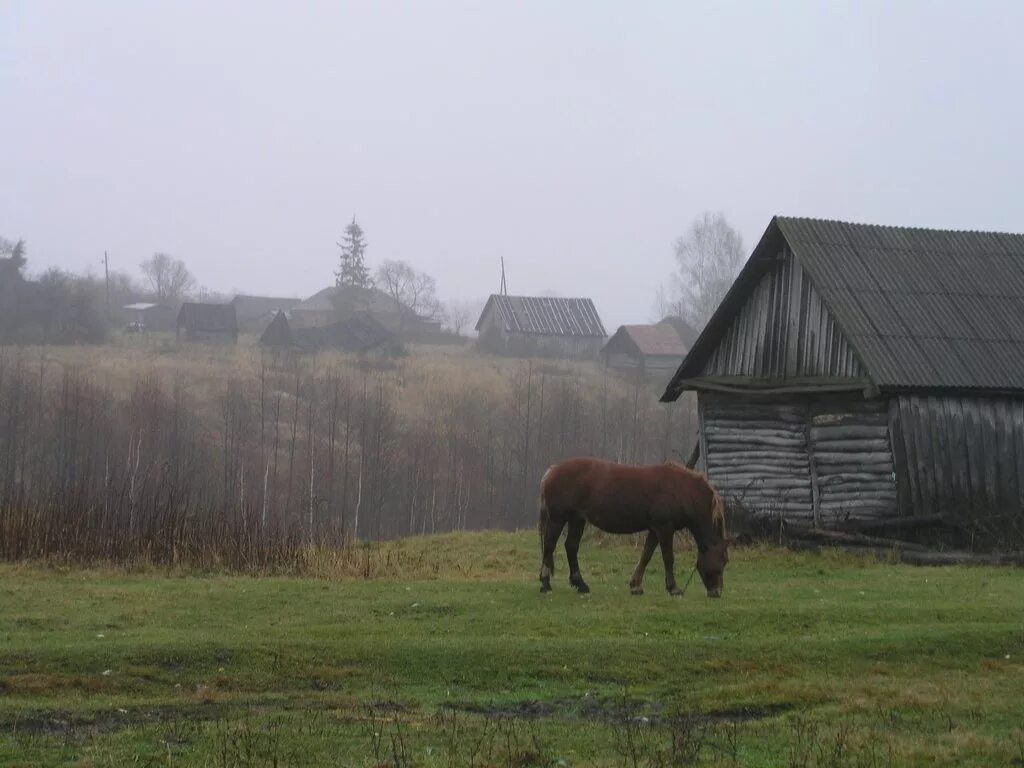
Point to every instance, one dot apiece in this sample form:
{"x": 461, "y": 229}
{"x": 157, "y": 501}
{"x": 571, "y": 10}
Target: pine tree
{"x": 352, "y": 271}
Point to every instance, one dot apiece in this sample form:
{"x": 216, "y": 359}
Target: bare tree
{"x": 458, "y": 315}
{"x": 168, "y": 277}
{"x": 414, "y": 292}
{"x": 708, "y": 258}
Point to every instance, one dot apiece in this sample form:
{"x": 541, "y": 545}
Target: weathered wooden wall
{"x": 959, "y": 455}
{"x": 496, "y": 339}
{"x": 784, "y": 331}
{"x": 816, "y": 458}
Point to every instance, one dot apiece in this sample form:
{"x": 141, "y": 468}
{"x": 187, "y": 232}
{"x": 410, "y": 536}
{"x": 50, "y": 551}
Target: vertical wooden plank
{"x": 960, "y": 498}
{"x": 904, "y": 491}
{"x": 793, "y": 315}
{"x": 925, "y": 463}
{"x": 986, "y": 416}
{"x": 973, "y": 454}
{"x": 702, "y": 437}
{"x": 942, "y": 449}
{"x": 812, "y": 466}
{"x": 1016, "y": 426}
{"x": 1010, "y": 481}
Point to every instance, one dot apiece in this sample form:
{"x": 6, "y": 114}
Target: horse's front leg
{"x": 572, "y": 551}
{"x": 665, "y": 536}
{"x": 636, "y": 583}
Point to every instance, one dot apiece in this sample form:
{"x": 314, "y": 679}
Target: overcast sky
{"x": 576, "y": 139}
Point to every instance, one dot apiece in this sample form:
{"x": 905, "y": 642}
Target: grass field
{"x": 448, "y": 656}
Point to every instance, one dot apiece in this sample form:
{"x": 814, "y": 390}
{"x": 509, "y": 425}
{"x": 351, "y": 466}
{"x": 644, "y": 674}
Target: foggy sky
{"x": 576, "y": 139}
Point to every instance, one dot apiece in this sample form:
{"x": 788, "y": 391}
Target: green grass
{"x": 808, "y": 660}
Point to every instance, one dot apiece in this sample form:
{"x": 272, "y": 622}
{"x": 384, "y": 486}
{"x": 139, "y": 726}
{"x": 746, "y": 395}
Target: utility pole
{"x": 106, "y": 270}
{"x": 504, "y": 288}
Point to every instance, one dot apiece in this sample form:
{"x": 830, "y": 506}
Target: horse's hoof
{"x": 582, "y": 588}
{"x": 636, "y": 591}
{"x": 545, "y": 588}
{"x": 676, "y": 592}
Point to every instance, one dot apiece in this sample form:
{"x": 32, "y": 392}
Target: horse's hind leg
{"x": 665, "y": 535}
{"x": 636, "y": 583}
{"x": 550, "y": 530}
{"x": 572, "y": 551}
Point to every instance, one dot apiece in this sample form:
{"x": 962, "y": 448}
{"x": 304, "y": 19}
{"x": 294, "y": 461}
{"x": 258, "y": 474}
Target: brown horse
{"x": 660, "y": 499}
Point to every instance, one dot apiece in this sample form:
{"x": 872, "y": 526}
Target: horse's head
{"x": 711, "y": 562}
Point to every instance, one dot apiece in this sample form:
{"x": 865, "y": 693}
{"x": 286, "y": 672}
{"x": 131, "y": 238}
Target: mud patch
{"x": 77, "y": 727}
{"x": 614, "y": 710}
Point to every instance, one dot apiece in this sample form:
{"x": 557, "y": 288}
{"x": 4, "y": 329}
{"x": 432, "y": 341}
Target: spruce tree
{"x": 352, "y": 270}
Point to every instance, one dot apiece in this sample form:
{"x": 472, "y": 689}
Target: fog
{"x": 576, "y": 140}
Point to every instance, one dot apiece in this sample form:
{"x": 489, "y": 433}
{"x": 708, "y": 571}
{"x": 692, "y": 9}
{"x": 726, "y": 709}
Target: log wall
{"x": 815, "y": 458}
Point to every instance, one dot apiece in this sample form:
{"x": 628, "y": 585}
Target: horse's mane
{"x": 717, "y": 505}
{"x": 717, "y": 512}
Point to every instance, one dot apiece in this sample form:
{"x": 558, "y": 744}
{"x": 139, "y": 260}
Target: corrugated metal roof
{"x": 922, "y": 308}
{"x": 547, "y": 316}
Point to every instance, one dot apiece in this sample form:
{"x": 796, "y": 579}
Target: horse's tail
{"x": 545, "y": 515}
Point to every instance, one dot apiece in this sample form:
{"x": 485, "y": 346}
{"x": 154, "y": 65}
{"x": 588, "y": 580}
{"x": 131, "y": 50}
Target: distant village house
{"x": 645, "y": 348}
{"x": 207, "y": 322}
{"x": 543, "y": 326}
{"x": 154, "y": 318}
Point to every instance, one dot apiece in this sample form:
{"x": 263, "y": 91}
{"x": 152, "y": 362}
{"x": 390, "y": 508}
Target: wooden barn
{"x": 856, "y": 371}
{"x": 207, "y": 322}
{"x": 645, "y": 348}
{"x": 542, "y": 326}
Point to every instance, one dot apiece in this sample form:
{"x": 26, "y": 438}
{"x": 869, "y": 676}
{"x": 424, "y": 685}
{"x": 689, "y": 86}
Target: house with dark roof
{"x": 542, "y": 326}
{"x": 207, "y": 322}
{"x": 646, "y": 348}
{"x": 331, "y": 304}
{"x": 254, "y": 313}
{"x": 857, "y": 371}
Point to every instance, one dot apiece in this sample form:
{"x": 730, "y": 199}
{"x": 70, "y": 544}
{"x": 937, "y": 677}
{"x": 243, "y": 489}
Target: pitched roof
{"x": 659, "y": 339}
{"x": 341, "y": 297}
{"x": 683, "y": 329}
{"x": 212, "y": 318}
{"x": 278, "y": 333}
{"x": 548, "y": 316}
{"x": 255, "y": 307}
{"x": 921, "y": 308}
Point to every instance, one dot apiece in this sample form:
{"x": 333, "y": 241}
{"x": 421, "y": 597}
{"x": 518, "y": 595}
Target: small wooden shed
{"x": 859, "y": 371}
{"x": 207, "y": 322}
{"x": 644, "y": 348}
{"x": 544, "y": 326}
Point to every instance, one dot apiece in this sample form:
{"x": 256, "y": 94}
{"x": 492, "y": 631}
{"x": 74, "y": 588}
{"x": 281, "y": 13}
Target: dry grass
{"x": 218, "y": 457}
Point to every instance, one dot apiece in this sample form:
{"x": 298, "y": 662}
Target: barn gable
{"x": 784, "y": 330}
{"x": 906, "y": 308}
